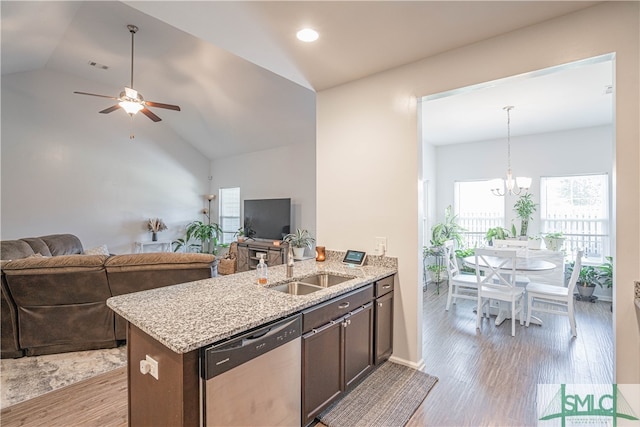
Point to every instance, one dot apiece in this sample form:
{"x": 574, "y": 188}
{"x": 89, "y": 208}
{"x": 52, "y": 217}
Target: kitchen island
{"x": 172, "y": 324}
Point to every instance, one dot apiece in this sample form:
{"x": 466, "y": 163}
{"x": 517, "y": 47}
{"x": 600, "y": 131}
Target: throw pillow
{"x": 100, "y": 250}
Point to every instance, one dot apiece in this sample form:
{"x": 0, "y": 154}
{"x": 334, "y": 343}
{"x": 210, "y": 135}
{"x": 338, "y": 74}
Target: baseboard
{"x": 418, "y": 366}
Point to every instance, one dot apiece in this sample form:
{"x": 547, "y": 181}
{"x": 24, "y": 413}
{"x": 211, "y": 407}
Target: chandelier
{"x": 509, "y": 185}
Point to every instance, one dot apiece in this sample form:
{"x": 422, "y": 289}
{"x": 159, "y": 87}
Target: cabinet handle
{"x": 386, "y": 286}
{"x": 344, "y": 305}
{"x": 379, "y": 304}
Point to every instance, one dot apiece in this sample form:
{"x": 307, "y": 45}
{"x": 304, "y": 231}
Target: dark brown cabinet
{"x": 358, "y": 345}
{"x": 322, "y": 367}
{"x": 383, "y": 323}
{"x": 337, "y": 349}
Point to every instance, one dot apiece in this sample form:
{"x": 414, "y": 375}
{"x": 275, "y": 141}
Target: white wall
{"x": 68, "y": 169}
{"x": 579, "y": 151}
{"x": 367, "y": 131}
{"x": 282, "y": 172}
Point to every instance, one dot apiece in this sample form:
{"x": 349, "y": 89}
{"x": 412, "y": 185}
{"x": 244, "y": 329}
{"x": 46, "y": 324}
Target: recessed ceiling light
{"x": 307, "y": 35}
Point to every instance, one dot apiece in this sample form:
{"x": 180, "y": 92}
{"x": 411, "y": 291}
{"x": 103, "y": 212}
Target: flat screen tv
{"x": 267, "y": 219}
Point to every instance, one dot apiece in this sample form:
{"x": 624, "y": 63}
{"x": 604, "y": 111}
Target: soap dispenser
{"x": 261, "y": 271}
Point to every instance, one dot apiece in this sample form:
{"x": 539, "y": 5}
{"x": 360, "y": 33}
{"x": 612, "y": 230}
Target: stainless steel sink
{"x": 296, "y": 288}
{"x": 325, "y": 280}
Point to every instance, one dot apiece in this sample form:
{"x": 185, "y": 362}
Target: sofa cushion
{"x": 54, "y": 265}
{"x": 15, "y": 249}
{"x": 157, "y": 261}
{"x": 62, "y": 244}
{"x": 38, "y": 245}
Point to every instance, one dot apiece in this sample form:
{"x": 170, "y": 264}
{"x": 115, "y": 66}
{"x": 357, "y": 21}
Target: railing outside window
{"x": 476, "y": 225}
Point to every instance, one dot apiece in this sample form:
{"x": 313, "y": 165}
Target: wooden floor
{"x": 487, "y": 377}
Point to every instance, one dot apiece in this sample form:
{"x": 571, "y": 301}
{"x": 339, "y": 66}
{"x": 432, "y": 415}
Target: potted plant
{"x": 498, "y": 233}
{"x": 447, "y": 230}
{"x": 554, "y": 241}
{"x": 535, "y": 242}
{"x": 524, "y": 208}
{"x": 299, "y": 240}
{"x": 155, "y": 225}
{"x": 437, "y": 273}
{"x": 592, "y": 275}
{"x": 434, "y": 265}
{"x": 461, "y": 254}
{"x": 207, "y": 234}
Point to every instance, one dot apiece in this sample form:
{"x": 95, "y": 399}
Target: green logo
{"x": 586, "y": 404}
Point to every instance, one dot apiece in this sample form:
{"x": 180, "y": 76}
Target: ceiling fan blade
{"x": 93, "y": 94}
{"x": 150, "y": 114}
{"x": 160, "y": 105}
{"x": 110, "y": 109}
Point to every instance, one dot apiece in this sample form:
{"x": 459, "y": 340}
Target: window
{"x": 229, "y": 213}
{"x": 577, "y": 206}
{"x": 477, "y": 210}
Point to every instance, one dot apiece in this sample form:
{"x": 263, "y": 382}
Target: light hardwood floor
{"x": 487, "y": 377}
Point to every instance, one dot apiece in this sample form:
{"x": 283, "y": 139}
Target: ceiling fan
{"x": 130, "y": 100}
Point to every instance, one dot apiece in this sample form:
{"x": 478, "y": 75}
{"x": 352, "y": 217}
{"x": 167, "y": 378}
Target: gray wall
{"x": 68, "y": 169}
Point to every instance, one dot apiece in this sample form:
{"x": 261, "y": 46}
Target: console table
{"x": 249, "y": 254}
{"x": 157, "y": 246}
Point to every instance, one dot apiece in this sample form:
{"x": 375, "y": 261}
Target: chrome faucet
{"x": 290, "y": 261}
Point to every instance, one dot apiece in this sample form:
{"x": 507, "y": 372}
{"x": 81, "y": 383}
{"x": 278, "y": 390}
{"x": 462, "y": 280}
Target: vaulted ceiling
{"x": 242, "y": 79}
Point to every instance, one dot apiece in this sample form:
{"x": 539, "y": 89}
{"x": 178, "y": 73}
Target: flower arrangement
{"x": 156, "y": 224}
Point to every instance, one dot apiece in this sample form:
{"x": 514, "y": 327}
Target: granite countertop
{"x": 192, "y": 315}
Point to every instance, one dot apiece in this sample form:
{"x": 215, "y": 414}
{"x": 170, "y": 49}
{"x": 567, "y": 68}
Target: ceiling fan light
{"x": 131, "y": 107}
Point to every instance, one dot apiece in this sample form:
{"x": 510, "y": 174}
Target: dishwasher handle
{"x": 227, "y": 355}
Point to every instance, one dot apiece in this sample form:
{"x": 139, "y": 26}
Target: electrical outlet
{"x": 380, "y": 245}
{"x": 153, "y": 366}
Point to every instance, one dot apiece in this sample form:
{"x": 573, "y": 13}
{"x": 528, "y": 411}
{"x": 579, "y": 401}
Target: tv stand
{"x": 249, "y": 254}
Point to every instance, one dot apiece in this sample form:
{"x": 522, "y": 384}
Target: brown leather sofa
{"x": 54, "y": 298}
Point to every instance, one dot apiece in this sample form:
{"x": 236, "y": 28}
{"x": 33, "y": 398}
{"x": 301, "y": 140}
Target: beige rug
{"x": 387, "y": 397}
{"x": 29, "y": 377}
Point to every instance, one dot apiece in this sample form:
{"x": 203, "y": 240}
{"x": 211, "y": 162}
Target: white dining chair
{"x": 552, "y": 299}
{"x": 498, "y": 283}
{"x": 463, "y": 286}
{"x": 518, "y": 245}
{"x": 497, "y": 243}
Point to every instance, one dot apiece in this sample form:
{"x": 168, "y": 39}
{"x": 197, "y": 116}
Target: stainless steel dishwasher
{"x": 255, "y": 379}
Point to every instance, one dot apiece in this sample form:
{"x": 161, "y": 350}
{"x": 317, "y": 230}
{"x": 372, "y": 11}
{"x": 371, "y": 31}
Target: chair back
{"x": 510, "y": 243}
{"x": 577, "y": 266}
{"x": 499, "y": 267}
{"x": 450, "y": 255}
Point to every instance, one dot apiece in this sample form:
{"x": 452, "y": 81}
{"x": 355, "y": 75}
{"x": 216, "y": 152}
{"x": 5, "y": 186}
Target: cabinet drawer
{"x": 384, "y": 286}
{"x": 333, "y": 309}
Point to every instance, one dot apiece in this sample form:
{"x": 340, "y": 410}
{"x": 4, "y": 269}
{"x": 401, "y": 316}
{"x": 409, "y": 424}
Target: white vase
{"x": 298, "y": 252}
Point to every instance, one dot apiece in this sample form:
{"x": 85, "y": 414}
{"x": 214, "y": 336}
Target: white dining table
{"x": 526, "y": 266}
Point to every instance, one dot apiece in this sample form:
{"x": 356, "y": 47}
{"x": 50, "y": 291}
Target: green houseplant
{"x": 554, "y": 241}
{"x": 207, "y": 235}
{"x": 524, "y": 208}
{"x": 447, "y": 230}
{"x": 498, "y": 233}
{"x": 591, "y": 276}
{"x": 299, "y": 240}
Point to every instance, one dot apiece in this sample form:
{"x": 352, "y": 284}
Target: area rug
{"x": 29, "y": 377}
{"x": 388, "y": 397}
